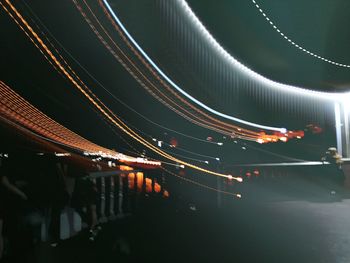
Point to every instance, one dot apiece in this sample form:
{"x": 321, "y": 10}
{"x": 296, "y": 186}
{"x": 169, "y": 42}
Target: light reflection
{"x": 139, "y": 181}
{"x": 157, "y": 187}
{"x": 131, "y": 180}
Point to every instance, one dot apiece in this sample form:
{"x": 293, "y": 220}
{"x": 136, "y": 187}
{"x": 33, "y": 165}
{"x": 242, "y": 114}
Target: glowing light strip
{"x": 311, "y": 163}
{"x": 295, "y": 44}
{"x": 283, "y": 130}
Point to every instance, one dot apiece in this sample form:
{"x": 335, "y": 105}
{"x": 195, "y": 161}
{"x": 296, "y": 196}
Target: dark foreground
{"x": 276, "y": 224}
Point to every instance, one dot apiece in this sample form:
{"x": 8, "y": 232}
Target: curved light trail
{"x": 92, "y": 98}
{"x": 122, "y": 101}
{"x": 207, "y": 156}
{"x": 91, "y": 76}
{"x": 219, "y": 126}
{"x": 282, "y": 130}
{"x": 214, "y": 124}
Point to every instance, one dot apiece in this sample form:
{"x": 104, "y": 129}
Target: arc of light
{"x": 249, "y": 134}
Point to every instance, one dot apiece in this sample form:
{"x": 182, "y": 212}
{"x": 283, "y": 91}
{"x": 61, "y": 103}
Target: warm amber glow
{"x": 166, "y": 194}
{"x": 157, "y": 188}
{"x": 125, "y": 168}
{"x": 131, "y": 180}
{"x": 149, "y": 188}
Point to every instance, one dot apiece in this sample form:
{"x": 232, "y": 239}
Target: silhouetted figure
{"x": 6, "y": 187}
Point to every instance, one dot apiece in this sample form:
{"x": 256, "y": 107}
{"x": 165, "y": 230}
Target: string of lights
{"x": 290, "y": 41}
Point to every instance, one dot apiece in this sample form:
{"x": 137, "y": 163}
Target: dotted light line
{"x": 295, "y": 44}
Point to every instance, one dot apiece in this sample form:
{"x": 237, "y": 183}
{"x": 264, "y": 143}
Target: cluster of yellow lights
{"x": 79, "y": 84}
